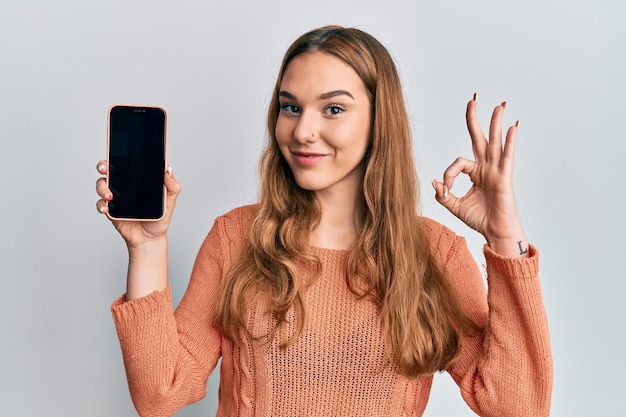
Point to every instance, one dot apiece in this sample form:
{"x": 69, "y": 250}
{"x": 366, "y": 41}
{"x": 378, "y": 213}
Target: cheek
{"x": 281, "y": 135}
{"x": 355, "y": 136}
{"x": 282, "y": 131}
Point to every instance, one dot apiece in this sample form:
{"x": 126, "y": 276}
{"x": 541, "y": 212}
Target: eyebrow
{"x": 324, "y": 96}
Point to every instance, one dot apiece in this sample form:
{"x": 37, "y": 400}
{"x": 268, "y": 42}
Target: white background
{"x": 559, "y": 64}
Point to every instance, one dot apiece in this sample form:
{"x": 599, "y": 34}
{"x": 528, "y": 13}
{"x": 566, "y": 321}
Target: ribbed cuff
{"x": 521, "y": 268}
{"x": 129, "y": 312}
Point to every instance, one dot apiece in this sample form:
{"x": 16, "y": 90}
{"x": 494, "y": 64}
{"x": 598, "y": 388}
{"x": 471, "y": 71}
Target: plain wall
{"x": 559, "y": 64}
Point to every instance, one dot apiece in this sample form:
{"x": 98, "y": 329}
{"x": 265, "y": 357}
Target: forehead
{"x": 320, "y": 72}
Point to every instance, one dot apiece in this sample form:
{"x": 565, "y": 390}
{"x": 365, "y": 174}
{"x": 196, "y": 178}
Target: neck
{"x": 341, "y": 220}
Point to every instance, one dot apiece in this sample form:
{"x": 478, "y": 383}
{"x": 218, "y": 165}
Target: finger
{"x": 102, "y": 167}
{"x": 454, "y": 170}
{"x": 494, "y": 148}
{"x": 508, "y": 155}
{"x": 102, "y": 206}
{"x": 479, "y": 142}
{"x": 103, "y": 190}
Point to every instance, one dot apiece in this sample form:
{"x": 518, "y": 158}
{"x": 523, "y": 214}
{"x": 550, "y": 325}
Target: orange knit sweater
{"x": 337, "y": 366}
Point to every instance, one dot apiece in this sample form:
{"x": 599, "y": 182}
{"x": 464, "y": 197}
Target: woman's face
{"x": 323, "y": 128}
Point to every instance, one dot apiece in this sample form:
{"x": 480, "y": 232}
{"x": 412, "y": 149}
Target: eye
{"x": 289, "y": 108}
{"x": 334, "y": 110}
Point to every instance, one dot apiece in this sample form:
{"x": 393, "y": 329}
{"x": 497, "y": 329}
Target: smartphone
{"x": 137, "y": 154}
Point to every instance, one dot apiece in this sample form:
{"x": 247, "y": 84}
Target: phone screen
{"x": 137, "y": 148}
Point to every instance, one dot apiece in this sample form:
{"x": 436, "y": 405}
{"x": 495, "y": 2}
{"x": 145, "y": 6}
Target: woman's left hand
{"x": 489, "y": 206}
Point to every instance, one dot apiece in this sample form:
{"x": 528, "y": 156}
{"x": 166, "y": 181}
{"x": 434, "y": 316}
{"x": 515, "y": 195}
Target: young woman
{"x": 332, "y": 296}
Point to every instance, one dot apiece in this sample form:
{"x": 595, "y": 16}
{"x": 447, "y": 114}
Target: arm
{"x": 168, "y": 356}
{"x": 146, "y": 240}
{"x": 507, "y": 369}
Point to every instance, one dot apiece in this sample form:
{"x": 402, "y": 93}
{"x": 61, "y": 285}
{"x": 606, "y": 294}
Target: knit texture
{"x": 338, "y": 365}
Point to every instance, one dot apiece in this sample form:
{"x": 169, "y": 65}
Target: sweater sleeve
{"x": 506, "y": 370}
{"x": 169, "y": 356}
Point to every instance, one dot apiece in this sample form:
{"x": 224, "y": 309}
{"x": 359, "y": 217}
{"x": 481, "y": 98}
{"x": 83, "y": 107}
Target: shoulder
{"x": 436, "y": 231}
{"x": 242, "y": 215}
{"x": 229, "y": 234}
{"x": 432, "y": 226}
{"x": 444, "y": 242}
{"x": 235, "y": 224}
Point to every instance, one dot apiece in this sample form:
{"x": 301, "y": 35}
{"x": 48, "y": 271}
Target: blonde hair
{"x": 419, "y": 310}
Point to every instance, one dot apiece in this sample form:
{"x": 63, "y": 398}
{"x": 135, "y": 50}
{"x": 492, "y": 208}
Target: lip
{"x": 307, "y": 159}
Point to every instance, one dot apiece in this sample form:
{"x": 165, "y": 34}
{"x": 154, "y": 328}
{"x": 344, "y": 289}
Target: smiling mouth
{"x": 307, "y": 159}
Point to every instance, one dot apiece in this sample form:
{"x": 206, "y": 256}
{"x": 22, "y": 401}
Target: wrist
{"x": 147, "y": 268}
{"x": 148, "y": 247}
{"x": 515, "y": 247}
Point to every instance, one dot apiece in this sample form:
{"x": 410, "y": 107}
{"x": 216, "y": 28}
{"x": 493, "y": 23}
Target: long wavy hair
{"x": 390, "y": 260}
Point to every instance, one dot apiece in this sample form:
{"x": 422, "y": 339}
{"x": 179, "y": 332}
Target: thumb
{"x": 171, "y": 183}
{"x": 173, "y": 187}
{"x": 444, "y": 196}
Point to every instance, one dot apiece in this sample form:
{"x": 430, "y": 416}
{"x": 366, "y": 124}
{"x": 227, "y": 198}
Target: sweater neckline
{"x": 328, "y": 251}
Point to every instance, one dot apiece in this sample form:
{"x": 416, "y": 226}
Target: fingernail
{"x": 169, "y": 169}
{"x": 474, "y": 98}
{"x": 102, "y": 209}
{"x": 517, "y": 123}
{"x": 433, "y": 184}
{"x": 503, "y": 104}
{"x": 100, "y": 168}
{"x": 445, "y": 191}
{"x": 108, "y": 196}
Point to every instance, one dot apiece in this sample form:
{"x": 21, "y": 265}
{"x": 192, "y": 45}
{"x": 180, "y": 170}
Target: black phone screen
{"x": 137, "y": 146}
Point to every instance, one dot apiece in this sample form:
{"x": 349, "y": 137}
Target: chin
{"x": 307, "y": 185}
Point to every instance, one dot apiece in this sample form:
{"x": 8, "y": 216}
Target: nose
{"x": 306, "y": 128}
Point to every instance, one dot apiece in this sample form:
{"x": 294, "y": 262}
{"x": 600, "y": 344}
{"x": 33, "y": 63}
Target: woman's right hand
{"x": 137, "y": 233}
